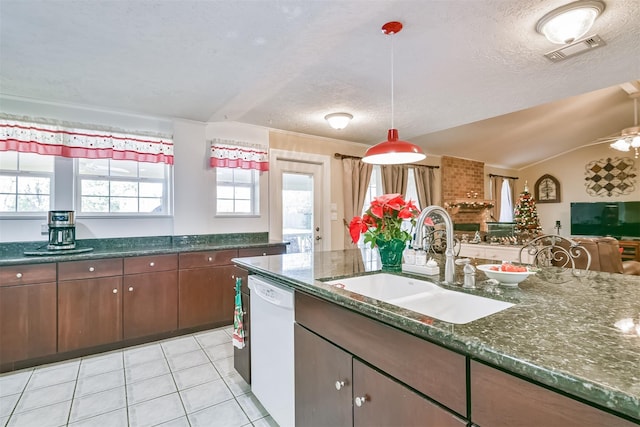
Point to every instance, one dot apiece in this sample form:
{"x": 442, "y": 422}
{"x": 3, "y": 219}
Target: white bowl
{"x": 504, "y": 277}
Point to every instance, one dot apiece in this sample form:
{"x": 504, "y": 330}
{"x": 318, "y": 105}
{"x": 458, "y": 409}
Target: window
{"x": 25, "y": 182}
{"x": 107, "y": 186}
{"x": 506, "y": 204}
{"x": 237, "y": 191}
{"x": 375, "y": 187}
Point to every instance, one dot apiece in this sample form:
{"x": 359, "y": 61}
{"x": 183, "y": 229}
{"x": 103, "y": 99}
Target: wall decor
{"x": 610, "y": 177}
{"x": 547, "y": 189}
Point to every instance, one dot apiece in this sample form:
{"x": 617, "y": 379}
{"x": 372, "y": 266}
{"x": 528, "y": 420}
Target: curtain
{"x": 496, "y": 186}
{"x": 395, "y": 179}
{"x": 496, "y": 191}
{"x": 355, "y": 176}
{"x": 238, "y": 154}
{"x": 506, "y": 202}
{"x": 65, "y": 141}
{"x": 425, "y": 185}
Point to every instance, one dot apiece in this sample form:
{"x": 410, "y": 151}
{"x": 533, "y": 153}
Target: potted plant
{"x": 382, "y": 227}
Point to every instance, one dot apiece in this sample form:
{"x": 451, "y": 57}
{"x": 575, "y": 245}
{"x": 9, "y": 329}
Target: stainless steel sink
{"x": 423, "y": 297}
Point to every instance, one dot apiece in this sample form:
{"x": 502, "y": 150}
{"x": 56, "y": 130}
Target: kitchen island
{"x": 577, "y": 336}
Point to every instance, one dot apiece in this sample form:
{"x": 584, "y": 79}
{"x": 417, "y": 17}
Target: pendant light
{"x": 393, "y": 151}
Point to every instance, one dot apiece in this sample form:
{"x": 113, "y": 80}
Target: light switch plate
{"x": 334, "y": 216}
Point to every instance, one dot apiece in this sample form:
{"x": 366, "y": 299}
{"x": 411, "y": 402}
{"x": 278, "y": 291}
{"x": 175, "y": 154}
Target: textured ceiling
{"x": 286, "y": 64}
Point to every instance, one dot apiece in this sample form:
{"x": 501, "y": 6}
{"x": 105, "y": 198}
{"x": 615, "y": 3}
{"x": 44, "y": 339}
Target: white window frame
{"x": 166, "y": 194}
{"x": 254, "y": 198}
{"x": 21, "y": 173}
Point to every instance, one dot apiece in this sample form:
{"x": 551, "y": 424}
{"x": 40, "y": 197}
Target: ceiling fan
{"x": 629, "y": 137}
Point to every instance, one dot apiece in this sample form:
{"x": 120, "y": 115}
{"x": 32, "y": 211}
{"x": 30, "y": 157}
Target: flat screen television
{"x": 616, "y": 219}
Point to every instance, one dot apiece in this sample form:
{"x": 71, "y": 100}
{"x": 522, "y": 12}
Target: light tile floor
{"x": 179, "y": 382}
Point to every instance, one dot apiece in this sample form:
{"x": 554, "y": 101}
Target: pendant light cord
{"x": 392, "y": 62}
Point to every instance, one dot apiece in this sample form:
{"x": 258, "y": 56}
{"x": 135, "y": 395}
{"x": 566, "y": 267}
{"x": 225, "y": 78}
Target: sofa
{"x": 605, "y": 256}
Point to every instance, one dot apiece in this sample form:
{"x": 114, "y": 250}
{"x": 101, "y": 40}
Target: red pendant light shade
{"x": 393, "y": 151}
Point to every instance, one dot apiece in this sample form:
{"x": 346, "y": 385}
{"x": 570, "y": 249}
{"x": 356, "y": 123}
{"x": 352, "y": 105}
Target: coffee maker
{"x": 62, "y": 230}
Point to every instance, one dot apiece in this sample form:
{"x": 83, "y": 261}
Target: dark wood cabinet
{"x": 89, "y": 303}
{"x": 500, "y": 399}
{"x": 150, "y": 295}
{"x": 206, "y": 289}
{"x": 333, "y": 388}
{"x": 428, "y": 368}
{"x": 89, "y": 312}
{"x": 323, "y": 381}
{"x": 27, "y": 312}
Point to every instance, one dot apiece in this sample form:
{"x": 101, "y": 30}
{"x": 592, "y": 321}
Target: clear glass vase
{"x": 391, "y": 253}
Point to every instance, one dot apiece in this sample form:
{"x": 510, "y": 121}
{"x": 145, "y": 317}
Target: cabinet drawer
{"x": 27, "y": 274}
{"x": 151, "y": 263}
{"x": 89, "y": 269}
{"x": 429, "y": 368}
{"x": 499, "y": 399}
{"x": 262, "y": 251}
{"x": 207, "y": 258}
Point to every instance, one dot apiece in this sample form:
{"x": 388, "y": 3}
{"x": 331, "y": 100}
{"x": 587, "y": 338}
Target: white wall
{"x": 195, "y": 183}
{"x": 570, "y": 171}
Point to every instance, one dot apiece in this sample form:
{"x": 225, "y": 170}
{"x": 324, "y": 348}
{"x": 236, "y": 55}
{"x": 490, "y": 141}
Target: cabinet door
{"x": 89, "y": 312}
{"x": 206, "y": 296}
{"x": 381, "y": 401}
{"x": 242, "y": 356}
{"x": 322, "y": 382}
{"x": 27, "y": 321}
{"x": 150, "y": 303}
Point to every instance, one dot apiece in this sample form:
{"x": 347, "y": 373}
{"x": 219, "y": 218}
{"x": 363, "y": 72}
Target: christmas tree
{"x": 525, "y": 214}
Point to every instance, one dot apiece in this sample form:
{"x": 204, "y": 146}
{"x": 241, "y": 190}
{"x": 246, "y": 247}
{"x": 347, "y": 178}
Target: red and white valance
{"x": 237, "y": 154}
{"x": 55, "y": 140}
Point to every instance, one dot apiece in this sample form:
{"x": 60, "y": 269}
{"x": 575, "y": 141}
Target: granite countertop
{"x": 14, "y": 253}
{"x": 561, "y": 331}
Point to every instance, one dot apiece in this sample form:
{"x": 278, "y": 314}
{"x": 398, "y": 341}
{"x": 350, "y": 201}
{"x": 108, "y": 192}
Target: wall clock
{"x": 547, "y": 189}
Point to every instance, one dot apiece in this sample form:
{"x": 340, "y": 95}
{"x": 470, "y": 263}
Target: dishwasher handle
{"x": 271, "y": 293}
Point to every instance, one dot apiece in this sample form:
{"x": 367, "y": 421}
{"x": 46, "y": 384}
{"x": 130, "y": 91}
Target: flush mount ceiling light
{"x": 569, "y": 22}
{"x": 338, "y": 120}
{"x": 393, "y": 151}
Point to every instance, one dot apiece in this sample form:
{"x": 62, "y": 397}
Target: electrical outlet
{"x": 44, "y": 229}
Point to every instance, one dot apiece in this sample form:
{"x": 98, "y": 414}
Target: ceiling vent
{"x": 575, "y": 48}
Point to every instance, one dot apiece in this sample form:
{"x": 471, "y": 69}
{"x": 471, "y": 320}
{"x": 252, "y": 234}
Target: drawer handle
{"x": 360, "y": 401}
{"x": 19, "y": 275}
{"x": 115, "y": 291}
{"x": 264, "y": 254}
{"x": 91, "y": 269}
{"x": 210, "y": 259}
{"x": 339, "y": 385}
{"x": 152, "y": 264}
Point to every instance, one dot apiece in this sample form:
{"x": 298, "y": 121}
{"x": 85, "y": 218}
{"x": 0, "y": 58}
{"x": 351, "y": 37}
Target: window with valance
{"x": 115, "y": 172}
{"x": 238, "y": 154}
{"x": 66, "y": 141}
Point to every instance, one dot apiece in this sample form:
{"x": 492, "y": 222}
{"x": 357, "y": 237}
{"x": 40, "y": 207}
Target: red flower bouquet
{"x": 383, "y": 220}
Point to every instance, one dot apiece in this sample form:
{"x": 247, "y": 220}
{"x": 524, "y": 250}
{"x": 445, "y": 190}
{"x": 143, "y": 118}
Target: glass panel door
{"x": 297, "y": 211}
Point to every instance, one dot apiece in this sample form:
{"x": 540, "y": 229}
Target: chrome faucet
{"x": 449, "y": 267}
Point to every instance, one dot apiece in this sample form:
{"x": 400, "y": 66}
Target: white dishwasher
{"x": 272, "y": 359}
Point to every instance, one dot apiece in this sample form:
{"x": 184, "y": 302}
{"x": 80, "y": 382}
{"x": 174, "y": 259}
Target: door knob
{"x": 130, "y": 288}
{"x": 339, "y": 385}
{"x": 318, "y": 237}
{"x": 360, "y": 401}
{"x": 115, "y": 291}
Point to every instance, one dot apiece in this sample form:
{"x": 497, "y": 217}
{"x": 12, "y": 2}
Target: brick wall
{"x": 460, "y": 176}
{"x": 460, "y": 179}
